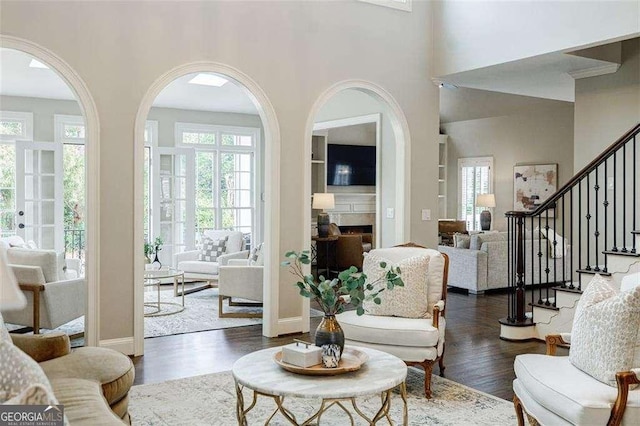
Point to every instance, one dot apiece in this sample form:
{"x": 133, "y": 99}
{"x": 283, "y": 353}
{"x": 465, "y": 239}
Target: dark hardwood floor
{"x": 475, "y": 356}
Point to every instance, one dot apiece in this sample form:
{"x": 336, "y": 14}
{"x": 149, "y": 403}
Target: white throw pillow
{"x": 410, "y": 301}
{"x": 212, "y": 249}
{"x": 19, "y": 372}
{"x": 257, "y": 256}
{"x": 605, "y": 333}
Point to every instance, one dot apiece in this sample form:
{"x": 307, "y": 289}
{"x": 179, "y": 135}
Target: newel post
{"x": 520, "y": 293}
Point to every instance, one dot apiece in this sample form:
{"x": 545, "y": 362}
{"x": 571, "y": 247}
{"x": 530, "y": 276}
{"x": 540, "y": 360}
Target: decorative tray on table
{"x": 352, "y": 359}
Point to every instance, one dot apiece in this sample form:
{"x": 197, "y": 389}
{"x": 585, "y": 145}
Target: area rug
{"x": 200, "y": 314}
{"x": 211, "y": 399}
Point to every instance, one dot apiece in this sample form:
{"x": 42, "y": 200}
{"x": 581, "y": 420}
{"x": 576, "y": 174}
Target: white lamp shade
{"x": 11, "y": 297}
{"x": 485, "y": 200}
{"x": 322, "y": 201}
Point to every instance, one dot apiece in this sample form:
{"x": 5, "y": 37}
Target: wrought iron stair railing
{"x": 590, "y": 218}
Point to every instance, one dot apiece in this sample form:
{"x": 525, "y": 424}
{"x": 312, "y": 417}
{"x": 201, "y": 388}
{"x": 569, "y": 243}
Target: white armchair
{"x": 417, "y": 341}
{"x": 52, "y": 299}
{"x": 195, "y": 269}
{"x": 550, "y": 390}
{"x": 243, "y": 280}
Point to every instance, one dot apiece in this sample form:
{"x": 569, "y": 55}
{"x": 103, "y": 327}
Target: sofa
{"x": 195, "y": 269}
{"x": 92, "y": 383}
{"x": 484, "y": 265}
{"x": 243, "y": 279}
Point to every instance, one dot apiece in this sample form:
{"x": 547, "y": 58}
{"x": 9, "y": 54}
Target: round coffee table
{"x": 154, "y": 278}
{"x": 259, "y": 373}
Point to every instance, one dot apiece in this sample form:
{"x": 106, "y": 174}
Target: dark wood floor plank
{"x": 475, "y": 356}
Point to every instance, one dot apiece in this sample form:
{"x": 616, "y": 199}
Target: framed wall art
{"x": 533, "y": 184}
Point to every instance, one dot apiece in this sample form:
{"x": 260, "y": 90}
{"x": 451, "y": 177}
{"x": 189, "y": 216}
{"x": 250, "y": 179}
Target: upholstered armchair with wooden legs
{"x": 550, "y": 390}
{"x": 417, "y": 341}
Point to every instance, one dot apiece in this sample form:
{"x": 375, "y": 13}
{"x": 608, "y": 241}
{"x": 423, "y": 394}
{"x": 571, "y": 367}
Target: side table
{"x": 324, "y": 246}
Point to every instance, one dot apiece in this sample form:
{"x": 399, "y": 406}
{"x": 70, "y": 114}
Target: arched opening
{"x": 359, "y": 113}
{"x": 59, "y": 147}
{"x": 209, "y": 177}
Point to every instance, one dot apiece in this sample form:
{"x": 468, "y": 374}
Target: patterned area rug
{"x": 200, "y": 314}
{"x": 210, "y": 400}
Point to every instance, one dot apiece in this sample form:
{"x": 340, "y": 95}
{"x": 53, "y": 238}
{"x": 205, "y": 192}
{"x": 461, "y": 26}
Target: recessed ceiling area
{"x": 229, "y": 97}
{"x": 19, "y": 78}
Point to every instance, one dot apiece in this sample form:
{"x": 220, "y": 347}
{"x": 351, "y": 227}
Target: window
{"x": 7, "y": 189}
{"x": 225, "y": 170}
{"x": 69, "y": 129}
{"x": 16, "y": 125}
{"x": 150, "y": 142}
{"x": 475, "y": 176}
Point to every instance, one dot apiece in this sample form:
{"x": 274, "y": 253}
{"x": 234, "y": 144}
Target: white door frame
{"x": 272, "y": 191}
{"x": 403, "y": 163}
{"x": 92, "y": 153}
{"x": 353, "y": 121}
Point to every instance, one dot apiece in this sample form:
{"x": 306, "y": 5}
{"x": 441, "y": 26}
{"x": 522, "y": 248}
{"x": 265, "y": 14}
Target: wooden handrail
{"x": 550, "y": 202}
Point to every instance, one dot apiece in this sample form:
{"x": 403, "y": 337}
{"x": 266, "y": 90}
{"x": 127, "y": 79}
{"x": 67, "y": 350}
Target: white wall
{"x": 475, "y": 34}
{"x": 607, "y": 106}
{"x": 293, "y": 50}
{"x": 353, "y": 103}
{"x": 541, "y": 135}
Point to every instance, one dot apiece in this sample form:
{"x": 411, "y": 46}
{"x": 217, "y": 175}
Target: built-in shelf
{"x": 442, "y": 176}
{"x": 317, "y": 161}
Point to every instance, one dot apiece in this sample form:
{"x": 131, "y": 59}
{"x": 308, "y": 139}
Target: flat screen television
{"x": 351, "y": 165}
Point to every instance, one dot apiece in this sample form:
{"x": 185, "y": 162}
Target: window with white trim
{"x": 225, "y": 175}
{"x": 16, "y": 125}
{"x": 150, "y": 143}
{"x": 475, "y": 176}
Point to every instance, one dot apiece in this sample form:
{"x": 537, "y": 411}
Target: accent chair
{"x": 417, "y": 341}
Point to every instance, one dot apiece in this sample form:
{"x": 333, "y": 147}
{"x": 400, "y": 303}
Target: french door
{"x": 39, "y": 193}
{"x": 173, "y": 201}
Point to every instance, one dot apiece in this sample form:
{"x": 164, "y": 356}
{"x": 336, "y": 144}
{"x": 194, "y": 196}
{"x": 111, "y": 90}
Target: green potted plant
{"x": 350, "y": 287}
{"x": 148, "y": 251}
{"x": 157, "y": 246}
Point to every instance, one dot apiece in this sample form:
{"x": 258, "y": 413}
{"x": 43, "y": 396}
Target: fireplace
{"x": 356, "y": 229}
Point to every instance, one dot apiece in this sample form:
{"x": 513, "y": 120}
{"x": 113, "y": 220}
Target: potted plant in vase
{"x": 157, "y": 246}
{"x": 333, "y": 295}
{"x": 148, "y": 251}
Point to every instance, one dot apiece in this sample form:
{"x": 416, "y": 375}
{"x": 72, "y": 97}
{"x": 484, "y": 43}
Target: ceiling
{"x": 18, "y": 79}
{"x": 546, "y": 76}
{"x": 461, "y": 104}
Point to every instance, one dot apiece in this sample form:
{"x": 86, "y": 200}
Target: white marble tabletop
{"x": 258, "y": 371}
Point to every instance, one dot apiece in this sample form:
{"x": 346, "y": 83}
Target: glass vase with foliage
{"x": 333, "y": 295}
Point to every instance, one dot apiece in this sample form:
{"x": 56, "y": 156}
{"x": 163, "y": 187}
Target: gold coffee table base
{"x": 383, "y": 412}
{"x": 161, "y": 313}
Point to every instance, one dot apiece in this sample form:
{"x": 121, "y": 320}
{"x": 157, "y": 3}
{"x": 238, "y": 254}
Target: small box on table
{"x": 301, "y": 354}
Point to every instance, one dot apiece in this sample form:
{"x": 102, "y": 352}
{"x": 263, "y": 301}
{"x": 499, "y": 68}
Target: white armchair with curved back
{"x": 417, "y": 341}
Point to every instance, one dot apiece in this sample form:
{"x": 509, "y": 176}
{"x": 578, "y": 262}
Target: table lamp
{"x": 323, "y": 201}
{"x": 489, "y": 201}
{"x": 11, "y": 297}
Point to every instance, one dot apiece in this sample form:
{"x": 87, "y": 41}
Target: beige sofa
{"x": 485, "y": 264}
{"x": 92, "y": 383}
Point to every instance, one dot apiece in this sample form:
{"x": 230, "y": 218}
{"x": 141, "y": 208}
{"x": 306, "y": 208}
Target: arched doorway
{"x": 91, "y": 138}
{"x": 371, "y": 105}
{"x": 271, "y": 158}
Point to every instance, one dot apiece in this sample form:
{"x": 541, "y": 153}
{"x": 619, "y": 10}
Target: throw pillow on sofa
{"x": 409, "y": 301}
{"x": 212, "y": 249}
{"x": 461, "y": 240}
{"x": 605, "y": 333}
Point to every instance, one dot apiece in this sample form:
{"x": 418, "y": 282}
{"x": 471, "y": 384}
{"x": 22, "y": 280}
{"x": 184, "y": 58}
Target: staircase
{"x": 589, "y": 226}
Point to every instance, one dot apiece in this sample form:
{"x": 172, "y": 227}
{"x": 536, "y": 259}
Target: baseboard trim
{"x": 290, "y": 325}
{"x": 124, "y": 345}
